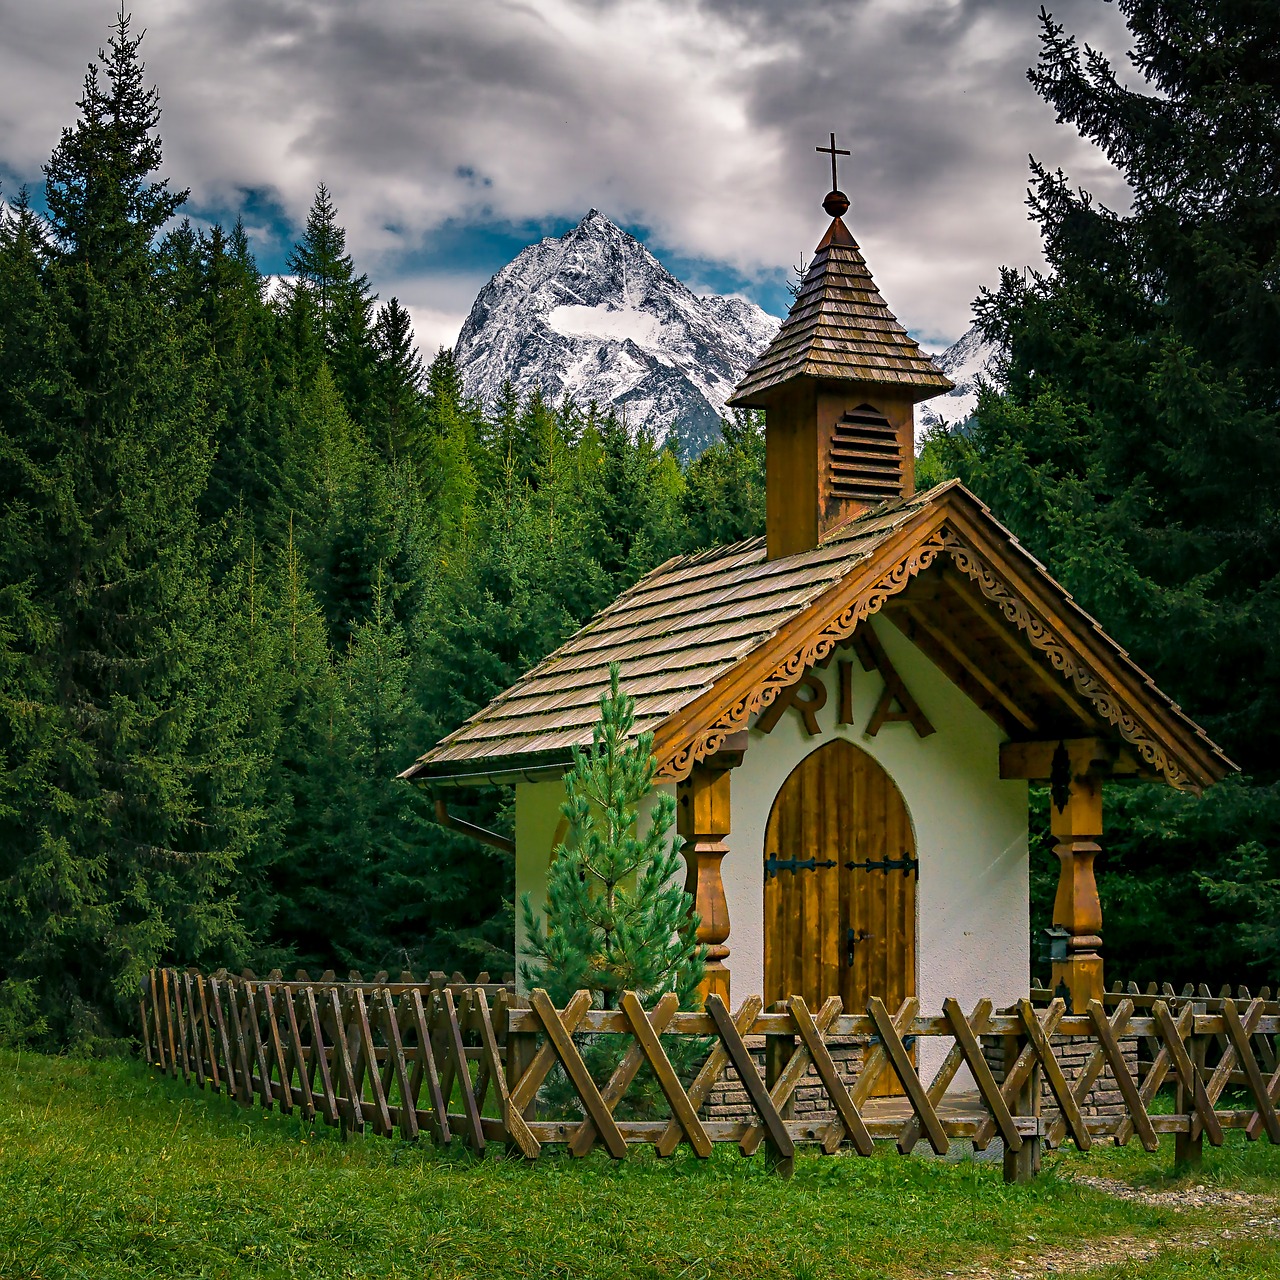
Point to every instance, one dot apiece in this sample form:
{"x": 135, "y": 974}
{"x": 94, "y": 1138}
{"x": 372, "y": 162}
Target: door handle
{"x": 852, "y": 939}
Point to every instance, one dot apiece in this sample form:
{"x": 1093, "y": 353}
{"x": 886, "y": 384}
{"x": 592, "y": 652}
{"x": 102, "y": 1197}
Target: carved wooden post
{"x": 1076, "y": 820}
{"x": 703, "y": 820}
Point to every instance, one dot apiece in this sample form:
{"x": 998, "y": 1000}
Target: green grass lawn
{"x": 108, "y": 1169}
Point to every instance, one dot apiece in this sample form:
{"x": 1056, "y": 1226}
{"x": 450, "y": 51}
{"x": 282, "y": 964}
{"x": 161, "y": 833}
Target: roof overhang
{"x": 497, "y": 773}
{"x": 777, "y": 393}
{"x": 947, "y": 533}
{"x": 955, "y": 525}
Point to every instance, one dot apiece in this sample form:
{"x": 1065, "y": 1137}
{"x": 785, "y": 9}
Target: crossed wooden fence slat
{"x": 453, "y": 1060}
{"x": 389, "y": 1056}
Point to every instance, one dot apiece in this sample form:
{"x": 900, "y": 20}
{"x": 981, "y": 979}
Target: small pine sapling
{"x": 616, "y": 917}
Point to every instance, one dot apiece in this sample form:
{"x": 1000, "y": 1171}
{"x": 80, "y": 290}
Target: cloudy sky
{"x": 454, "y": 132}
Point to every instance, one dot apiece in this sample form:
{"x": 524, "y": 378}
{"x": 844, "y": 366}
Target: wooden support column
{"x": 1075, "y": 769}
{"x": 702, "y": 818}
{"x": 1188, "y": 1148}
{"x": 1075, "y": 811}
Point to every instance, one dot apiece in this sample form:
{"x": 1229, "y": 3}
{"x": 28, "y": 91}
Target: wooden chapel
{"x": 849, "y": 708}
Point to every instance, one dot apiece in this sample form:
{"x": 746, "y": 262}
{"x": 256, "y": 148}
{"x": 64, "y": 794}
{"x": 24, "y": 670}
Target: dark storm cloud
{"x": 696, "y": 120}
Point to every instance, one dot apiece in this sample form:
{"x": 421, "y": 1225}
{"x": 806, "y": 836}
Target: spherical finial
{"x": 836, "y": 204}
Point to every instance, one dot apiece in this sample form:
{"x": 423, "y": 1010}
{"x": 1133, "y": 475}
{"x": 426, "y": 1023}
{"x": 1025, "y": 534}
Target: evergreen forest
{"x": 256, "y": 553}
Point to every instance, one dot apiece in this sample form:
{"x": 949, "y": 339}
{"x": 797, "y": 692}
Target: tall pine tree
{"x": 336, "y": 304}
{"x": 723, "y": 499}
{"x": 117, "y": 848}
{"x": 399, "y": 406}
{"x": 1137, "y": 447}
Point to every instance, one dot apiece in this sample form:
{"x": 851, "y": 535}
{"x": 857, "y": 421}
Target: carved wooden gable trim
{"x": 1106, "y": 702}
{"x": 676, "y": 757}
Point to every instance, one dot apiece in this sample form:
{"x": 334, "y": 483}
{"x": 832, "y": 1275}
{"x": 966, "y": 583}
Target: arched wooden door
{"x": 845, "y": 929}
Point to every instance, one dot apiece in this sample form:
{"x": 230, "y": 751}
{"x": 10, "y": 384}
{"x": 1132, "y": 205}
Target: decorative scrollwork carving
{"x": 709, "y": 739}
{"x": 1087, "y": 682}
{"x": 944, "y": 541}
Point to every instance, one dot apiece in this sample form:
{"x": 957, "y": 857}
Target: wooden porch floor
{"x": 960, "y": 1104}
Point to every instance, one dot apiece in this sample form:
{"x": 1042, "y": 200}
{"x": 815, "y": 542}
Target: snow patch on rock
{"x": 593, "y": 315}
{"x": 965, "y": 362}
{"x": 609, "y": 324}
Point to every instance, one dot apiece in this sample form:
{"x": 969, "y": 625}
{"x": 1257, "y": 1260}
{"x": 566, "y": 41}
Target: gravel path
{"x": 1241, "y": 1216}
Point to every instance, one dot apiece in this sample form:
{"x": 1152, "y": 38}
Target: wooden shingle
{"x": 674, "y": 634}
{"x": 840, "y": 328}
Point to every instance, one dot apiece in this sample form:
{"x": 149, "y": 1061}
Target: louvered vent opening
{"x": 866, "y": 457}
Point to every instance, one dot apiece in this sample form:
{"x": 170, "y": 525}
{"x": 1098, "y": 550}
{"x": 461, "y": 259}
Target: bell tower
{"x": 837, "y": 385}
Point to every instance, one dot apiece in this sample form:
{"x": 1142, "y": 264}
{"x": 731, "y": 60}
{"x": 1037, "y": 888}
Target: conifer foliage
{"x": 1137, "y": 447}
{"x": 616, "y": 918}
{"x": 254, "y": 557}
{"x": 119, "y": 833}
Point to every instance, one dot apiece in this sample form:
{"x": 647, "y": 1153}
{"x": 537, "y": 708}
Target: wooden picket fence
{"x": 467, "y": 1062}
{"x": 392, "y": 1056}
{"x": 1145, "y": 997}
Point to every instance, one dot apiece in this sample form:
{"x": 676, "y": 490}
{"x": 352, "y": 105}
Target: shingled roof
{"x": 705, "y": 640}
{"x": 840, "y": 328}
{"x": 674, "y": 633}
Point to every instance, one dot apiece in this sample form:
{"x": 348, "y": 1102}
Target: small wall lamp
{"x": 1054, "y": 946}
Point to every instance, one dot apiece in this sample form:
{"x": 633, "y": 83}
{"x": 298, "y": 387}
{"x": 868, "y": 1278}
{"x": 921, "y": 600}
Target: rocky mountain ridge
{"x": 965, "y": 361}
{"x": 593, "y": 315}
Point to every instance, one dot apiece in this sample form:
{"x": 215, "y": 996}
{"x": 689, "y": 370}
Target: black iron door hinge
{"x": 773, "y": 865}
{"x": 904, "y": 864}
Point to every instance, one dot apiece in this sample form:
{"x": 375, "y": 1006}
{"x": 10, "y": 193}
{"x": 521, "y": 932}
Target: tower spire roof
{"x": 840, "y": 328}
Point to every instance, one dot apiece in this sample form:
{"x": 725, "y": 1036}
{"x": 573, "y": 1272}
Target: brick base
{"x": 729, "y": 1101}
{"x": 1104, "y": 1099}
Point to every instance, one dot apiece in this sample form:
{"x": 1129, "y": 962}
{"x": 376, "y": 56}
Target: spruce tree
{"x": 335, "y": 304}
{"x": 118, "y": 848}
{"x": 241, "y": 328}
{"x": 1136, "y": 449}
{"x": 723, "y": 498}
{"x": 401, "y": 412}
{"x": 32, "y": 728}
{"x": 501, "y": 473}
{"x": 343, "y": 500}
{"x": 314, "y": 923}
{"x": 321, "y": 264}
{"x": 392, "y": 826}
{"x": 631, "y": 501}
{"x": 616, "y": 918}
{"x": 541, "y": 447}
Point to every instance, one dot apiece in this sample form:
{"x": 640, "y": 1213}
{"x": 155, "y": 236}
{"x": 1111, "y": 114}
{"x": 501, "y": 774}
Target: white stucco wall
{"x": 970, "y": 828}
{"x": 537, "y": 817}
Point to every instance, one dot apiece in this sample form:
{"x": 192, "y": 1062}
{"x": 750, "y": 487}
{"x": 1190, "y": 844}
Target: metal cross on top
{"x": 833, "y": 151}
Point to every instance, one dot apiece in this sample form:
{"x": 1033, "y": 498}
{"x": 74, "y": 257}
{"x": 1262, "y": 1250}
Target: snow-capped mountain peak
{"x": 593, "y": 315}
{"x": 965, "y": 361}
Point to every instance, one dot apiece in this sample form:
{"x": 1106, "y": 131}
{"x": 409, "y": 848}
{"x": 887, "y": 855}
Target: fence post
{"x": 1022, "y": 1166}
{"x": 779, "y": 1049}
{"x": 520, "y": 1050}
{"x": 1188, "y": 1151}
